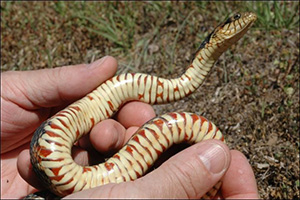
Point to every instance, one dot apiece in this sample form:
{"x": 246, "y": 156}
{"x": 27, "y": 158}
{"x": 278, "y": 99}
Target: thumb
{"x": 189, "y": 174}
{"x": 53, "y": 87}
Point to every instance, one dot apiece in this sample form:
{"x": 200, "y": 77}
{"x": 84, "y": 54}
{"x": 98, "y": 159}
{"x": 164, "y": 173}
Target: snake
{"x": 51, "y": 144}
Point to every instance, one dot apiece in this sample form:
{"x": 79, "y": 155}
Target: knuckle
{"x": 184, "y": 175}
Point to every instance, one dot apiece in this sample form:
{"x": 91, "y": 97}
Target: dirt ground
{"x": 252, "y": 93}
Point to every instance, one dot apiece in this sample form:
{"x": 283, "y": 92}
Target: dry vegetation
{"x": 252, "y": 93}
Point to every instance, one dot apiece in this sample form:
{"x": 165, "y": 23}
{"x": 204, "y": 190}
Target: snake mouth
{"x": 235, "y": 25}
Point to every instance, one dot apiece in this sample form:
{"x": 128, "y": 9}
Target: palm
{"x": 15, "y": 137}
{"x": 12, "y": 183}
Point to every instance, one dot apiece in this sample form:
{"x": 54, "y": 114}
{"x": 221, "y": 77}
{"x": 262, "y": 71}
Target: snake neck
{"x": 200, "y": 67}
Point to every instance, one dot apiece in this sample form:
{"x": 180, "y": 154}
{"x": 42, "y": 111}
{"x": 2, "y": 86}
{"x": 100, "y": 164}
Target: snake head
{"x": 233, "y": 28}
{"x": 228, "y": 32}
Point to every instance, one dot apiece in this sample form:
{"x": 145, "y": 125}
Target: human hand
{"x": 184, "y": 169}
{"x": 187, "y": 176}
{"x": 28, "y": 98}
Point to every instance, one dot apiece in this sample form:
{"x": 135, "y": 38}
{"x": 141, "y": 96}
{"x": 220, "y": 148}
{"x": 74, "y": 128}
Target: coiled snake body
{"x": 52, "y": 142}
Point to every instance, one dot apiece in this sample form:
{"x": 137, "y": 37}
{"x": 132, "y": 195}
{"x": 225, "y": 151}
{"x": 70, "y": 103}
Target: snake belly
{"x": 51, "y": 145}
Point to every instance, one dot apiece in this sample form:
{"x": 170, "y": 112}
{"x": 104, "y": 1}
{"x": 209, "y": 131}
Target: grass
{"x": 252, "y": 93}
{"x": 277, "y": 14}
{"x": 119, "y": 22}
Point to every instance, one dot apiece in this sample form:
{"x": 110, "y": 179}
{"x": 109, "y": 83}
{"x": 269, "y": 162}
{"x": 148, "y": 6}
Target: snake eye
{"x": 237, "y": 16}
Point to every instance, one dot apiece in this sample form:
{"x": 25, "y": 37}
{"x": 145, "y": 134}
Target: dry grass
{"x": 252, "y": 94}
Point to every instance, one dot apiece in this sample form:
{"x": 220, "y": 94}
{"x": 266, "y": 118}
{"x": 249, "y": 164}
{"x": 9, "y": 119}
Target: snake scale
{"x": 51, "y": 145}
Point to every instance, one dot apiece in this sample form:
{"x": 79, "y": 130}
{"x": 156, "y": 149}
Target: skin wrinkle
{"x": 118, "y": 140}
{"x": 11, "y": 181}
{"x": 25, "y": 91}
{"x": 60, "y": 72}
{"x": 7, "y": 172}
{"x": 5, "y": 112}
{"x": 20, "y": 142}
{"x": 13, "y": 176}
{"x": 184, "y": 184}
{"x": 18, "y": 117}
{"x": 14, "y": 94}
{"x": 52, "y": 77}
{"x": 43, "y": 96}
{"x": 135, "y": 191}
{"x": 168, "y": 178}
{"x": 14, "y": 124}
{"x": 109, "y": 192}
{"x": 85, "y": 73}
{"x": 205, "y": 174}
{"x": 183, "y": 173}
{"x": 114, "y": 189}
{"x": 27, "y": 86}
{"x": 26, "y": 108}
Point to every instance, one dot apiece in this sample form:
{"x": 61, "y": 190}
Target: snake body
{"x": 52, "y": 142}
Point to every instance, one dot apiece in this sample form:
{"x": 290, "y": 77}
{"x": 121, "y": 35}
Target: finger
{"x": 189, "y": 174}
{"x": 26, "y": 171}
{"x": 107, "y": 136}
{"x": 110, "y": 135}
{"x": 135, "y": 113}
{"x": 52, "y": 87}
{"x": 129, "y": 132}
{"x": 239, "y": 181}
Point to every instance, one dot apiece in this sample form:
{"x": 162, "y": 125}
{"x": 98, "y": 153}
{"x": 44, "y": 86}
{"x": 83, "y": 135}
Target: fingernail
{"x": 213, "y": 157}
{"x": 97, "y": 62}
